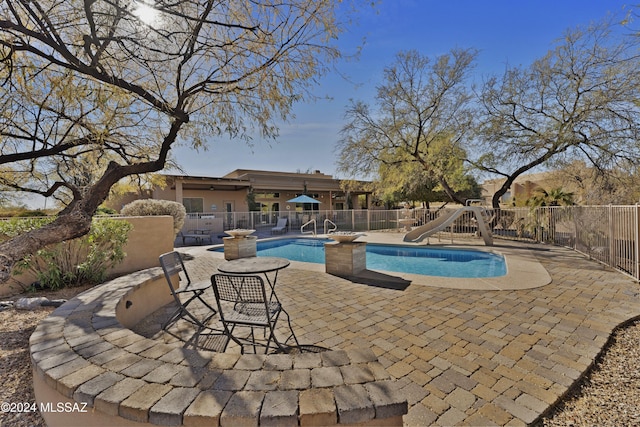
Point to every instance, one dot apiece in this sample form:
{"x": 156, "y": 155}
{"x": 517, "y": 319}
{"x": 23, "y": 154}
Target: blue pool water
{"x": 401, "y": 259}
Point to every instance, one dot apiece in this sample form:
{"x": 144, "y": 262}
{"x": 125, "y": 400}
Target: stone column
{"x": 239, "y": 247}
{"x": 345, "y": 259}
{"x": 179, "y": 190}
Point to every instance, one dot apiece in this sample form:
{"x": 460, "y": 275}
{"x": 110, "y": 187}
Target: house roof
{"x": 209, "y": 183}
{"x": 263, "y": 181}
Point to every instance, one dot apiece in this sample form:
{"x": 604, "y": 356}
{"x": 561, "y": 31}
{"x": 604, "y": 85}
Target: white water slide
{"x": 420, "y": 233}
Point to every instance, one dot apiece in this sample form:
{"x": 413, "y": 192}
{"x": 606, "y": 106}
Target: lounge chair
{"x": 281, "y": 226}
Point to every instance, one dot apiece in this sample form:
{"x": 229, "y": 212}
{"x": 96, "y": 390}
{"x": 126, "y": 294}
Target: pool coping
{"x": 523, "y": 269}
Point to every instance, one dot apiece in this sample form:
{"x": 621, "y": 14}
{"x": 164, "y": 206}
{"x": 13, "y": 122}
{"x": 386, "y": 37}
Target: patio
{"x": 464, "y": 356}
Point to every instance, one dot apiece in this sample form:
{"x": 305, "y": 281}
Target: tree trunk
{"x": 65, "y": 227}
{"x": 450, "y": 192}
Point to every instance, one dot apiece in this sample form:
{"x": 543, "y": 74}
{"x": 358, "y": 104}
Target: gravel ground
{"x": 609, "y": 396}
{"x": 16, "y": 326}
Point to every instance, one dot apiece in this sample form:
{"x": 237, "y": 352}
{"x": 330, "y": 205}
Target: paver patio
{"x": 465, "y": 357}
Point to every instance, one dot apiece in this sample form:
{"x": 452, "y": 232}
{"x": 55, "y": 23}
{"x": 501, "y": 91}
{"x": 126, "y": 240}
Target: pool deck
{"x": 498, "y": 351}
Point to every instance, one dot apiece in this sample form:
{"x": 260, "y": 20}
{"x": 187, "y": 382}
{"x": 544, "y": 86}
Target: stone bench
{"x": 85, "y": 356}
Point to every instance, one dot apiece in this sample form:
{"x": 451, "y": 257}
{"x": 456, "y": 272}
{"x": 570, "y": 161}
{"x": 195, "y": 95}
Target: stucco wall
{"x": 150, "y": 237}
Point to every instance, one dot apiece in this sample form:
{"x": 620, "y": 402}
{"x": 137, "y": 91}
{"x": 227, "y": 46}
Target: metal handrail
{"x": 326, "y": 228}
{"x": 315, "y": 228}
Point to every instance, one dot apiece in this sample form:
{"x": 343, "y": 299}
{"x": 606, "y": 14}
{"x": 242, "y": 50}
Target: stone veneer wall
{"x": 83, "y": 353}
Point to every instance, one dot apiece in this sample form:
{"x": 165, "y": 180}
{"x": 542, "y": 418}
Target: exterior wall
{"x": 142, "y": 301}
{"x": 217, "y": 198}
{"x": 150, "y": 237}
{"x": 523, "y": 187}
{"x": 326, "y": 199}
{"x": 218, "y": 194}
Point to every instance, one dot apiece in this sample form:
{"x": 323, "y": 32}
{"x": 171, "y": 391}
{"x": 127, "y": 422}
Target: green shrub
{"x": 35, "y": 213}
{"x": 103, "y": 210}
{"x": 20, "y": 211}
{"x": 149, "y": 207}
{"x": 16, "y": 226}
{"x": 80, "y": 261}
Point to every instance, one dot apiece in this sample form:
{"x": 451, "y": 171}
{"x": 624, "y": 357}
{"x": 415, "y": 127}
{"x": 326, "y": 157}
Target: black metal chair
{"x": 180, "y": 284}
{"x": 242, "y": 301}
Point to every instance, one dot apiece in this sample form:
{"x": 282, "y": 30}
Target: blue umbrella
{"x": 303, "y": 199}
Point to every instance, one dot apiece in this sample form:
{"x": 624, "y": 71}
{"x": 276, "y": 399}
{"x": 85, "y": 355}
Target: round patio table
{"x": 255, "y": 265}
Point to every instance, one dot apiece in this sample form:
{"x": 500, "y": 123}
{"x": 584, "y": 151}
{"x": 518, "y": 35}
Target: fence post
{"x": 612, "y": 238}
{"x": 636, "y": 249}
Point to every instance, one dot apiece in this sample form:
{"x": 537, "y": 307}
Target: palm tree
{"x": 554, "y": 197}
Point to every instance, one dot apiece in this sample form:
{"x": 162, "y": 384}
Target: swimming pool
{"x": 400, "y": 259}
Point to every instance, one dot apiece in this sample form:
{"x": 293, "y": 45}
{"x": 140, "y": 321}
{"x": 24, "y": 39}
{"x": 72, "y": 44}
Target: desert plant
{"x": 103, "y": 210}
{"x": 19, "y": 225}
{"x": 85, "y": 260}
{"x": 148, "y": 207}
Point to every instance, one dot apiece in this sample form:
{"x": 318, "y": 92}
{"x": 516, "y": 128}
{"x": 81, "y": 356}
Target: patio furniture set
{"x": 243, "y": 300}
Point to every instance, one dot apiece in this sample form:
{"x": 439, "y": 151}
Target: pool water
{"x": 400, "y": 259}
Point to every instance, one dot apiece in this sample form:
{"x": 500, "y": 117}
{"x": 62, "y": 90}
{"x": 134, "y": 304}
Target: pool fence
{"x": 607, "y": 234}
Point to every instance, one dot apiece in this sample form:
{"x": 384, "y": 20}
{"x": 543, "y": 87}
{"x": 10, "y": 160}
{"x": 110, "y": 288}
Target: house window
{"x": 193, "y": 204}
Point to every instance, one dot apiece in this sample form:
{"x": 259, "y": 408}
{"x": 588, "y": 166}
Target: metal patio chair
{"x": 242, "y": 301}
{"x": 180, "y": 284}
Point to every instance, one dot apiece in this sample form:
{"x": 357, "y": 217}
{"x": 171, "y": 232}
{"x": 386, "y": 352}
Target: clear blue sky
{"x": 511, "y": 32}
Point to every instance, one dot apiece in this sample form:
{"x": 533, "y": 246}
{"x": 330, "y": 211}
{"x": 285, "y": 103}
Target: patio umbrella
{"x": 303, "y": 199}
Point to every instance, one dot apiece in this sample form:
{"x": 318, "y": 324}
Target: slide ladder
{"x": 420, "y": 233}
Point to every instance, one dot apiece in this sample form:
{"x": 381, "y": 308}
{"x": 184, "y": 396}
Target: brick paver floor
{"x": 466, "y": 357}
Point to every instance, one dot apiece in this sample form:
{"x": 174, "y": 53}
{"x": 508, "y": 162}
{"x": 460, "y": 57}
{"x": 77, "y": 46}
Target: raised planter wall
{"x": 150, "y": 237}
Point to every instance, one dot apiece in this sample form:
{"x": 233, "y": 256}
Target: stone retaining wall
{"x": 82, "y": 353}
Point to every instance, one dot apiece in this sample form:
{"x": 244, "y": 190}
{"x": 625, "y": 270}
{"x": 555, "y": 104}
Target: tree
{"x": 578, "y": 102}
{"x": 591, "y": 186}
{"x": 422, "y": 117}
{"x": 410, "y": 181}
{"x": 95, "y": 91}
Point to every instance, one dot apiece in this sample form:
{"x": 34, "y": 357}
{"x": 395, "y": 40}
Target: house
{"x": 267, "y": 191}
{"x": 525, "y": 186}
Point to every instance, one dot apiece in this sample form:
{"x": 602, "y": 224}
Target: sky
{"x": 505, "y": 32}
